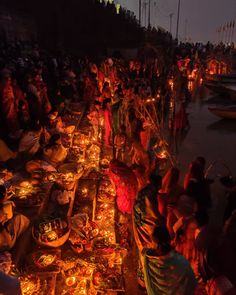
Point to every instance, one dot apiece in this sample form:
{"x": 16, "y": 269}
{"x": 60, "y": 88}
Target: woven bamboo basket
{"x": 55, "y": 243}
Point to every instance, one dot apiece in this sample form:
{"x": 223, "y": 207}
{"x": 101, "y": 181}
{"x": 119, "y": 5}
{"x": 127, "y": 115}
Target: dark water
{"x": 208, "y": 136}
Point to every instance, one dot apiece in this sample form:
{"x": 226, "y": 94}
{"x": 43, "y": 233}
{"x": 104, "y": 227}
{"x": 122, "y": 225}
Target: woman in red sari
{"x": 126, "y": 185}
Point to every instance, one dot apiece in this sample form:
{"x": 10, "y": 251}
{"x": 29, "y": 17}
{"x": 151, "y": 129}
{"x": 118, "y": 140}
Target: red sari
{"x": 126, "y": 185}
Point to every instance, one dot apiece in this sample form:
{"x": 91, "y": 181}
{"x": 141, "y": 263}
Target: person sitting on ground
{"x": 8, "y": 284}
{"x": 5, "y": 152}
{"x": 30, "y": 140}
{"x": 166, "y": 272}
{"x": 54, "y": 152}
{"x": 12, "y": 225}
{"x": 57, "y": 126}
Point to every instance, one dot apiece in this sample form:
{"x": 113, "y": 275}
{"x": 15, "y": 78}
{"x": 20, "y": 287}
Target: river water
{"x": 208, "y": 136}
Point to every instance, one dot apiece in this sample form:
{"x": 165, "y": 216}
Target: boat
{"x": 228, "y": 112}
{"x": 221, "y": 78}
{"x": 223, "y": 89}
{"x": 231, "y": 91}
{"x": 217, "y": 88}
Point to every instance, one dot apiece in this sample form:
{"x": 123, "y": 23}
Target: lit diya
{"x": 70, "y": 281}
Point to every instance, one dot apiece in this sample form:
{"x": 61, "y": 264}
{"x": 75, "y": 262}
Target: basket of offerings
{"x": 83, "y": 233}
{"x": 51, "y": 231}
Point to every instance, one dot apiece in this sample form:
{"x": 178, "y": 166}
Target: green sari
{"x": 168, "y": 275}
{"x": 146, "y": 217}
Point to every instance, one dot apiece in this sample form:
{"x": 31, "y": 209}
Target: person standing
{"x": 107, "y": 120}
{"x": 145, "y": 219}
{"x": 166, "y": 272}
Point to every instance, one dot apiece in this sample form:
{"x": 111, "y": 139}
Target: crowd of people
{"x": 127, "y": 103}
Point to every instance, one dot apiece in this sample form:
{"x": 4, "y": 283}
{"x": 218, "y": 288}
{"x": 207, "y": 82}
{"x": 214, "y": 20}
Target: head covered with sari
{"x": 166, "y": 272}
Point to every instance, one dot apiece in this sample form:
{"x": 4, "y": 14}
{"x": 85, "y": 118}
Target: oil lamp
{"x": 70, "y": 281}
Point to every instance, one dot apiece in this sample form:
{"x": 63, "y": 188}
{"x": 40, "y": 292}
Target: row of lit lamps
{"x": 117, "y": 5}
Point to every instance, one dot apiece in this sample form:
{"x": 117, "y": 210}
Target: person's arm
{"x": 9, "y": 285}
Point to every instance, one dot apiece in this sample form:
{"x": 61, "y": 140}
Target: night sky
{"x": 199, "y": 19}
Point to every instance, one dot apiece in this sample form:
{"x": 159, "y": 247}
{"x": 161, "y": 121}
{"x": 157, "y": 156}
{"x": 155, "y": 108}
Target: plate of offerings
{"x": 44, "y": 260}
{"x": 82, "y": 234}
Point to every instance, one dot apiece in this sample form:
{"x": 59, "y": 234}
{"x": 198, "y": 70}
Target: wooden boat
{"x": 217, "y": 88}
{"x": 223, "y": 89}
{"x": 231, "y": 91}
{"x": 221, "y": 78}
{"x": 224, "y": 112}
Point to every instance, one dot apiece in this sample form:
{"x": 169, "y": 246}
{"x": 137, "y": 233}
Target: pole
{"x": 171, "y": 15}
{"x": 230, "y": 31}
{"x": 227, "y": 33}
{"x": 140, "y": 3}
{"x": 177, "y": 26}
{"x": 185, "y": 30}
{"x": 232, "y": 37}
{"x": 149, "y": 13}
{"x": 222, "y": 36}
{"x": 145, "y": 13}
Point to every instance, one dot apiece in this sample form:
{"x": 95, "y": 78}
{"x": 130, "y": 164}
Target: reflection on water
{"x": 208, "y": 136}
{"x": 223, "y": 126}
{"x": 218, "y": 100}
